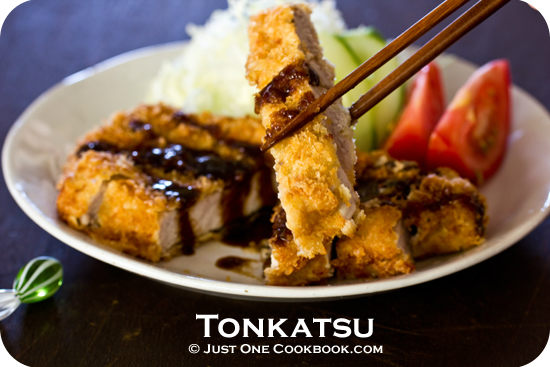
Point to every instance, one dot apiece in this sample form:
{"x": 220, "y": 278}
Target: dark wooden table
{"x": 495, "y": 313}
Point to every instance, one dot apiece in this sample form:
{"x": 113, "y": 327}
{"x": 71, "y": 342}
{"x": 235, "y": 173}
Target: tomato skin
{"x": 426, "y": 103}
{"x": 472, "y": 135}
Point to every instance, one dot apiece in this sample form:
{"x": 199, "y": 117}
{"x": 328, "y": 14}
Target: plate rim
{"x": 224, "y": 288}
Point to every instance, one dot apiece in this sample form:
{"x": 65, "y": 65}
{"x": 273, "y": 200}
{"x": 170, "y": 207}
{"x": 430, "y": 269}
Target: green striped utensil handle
{"x": 35, "y": 282}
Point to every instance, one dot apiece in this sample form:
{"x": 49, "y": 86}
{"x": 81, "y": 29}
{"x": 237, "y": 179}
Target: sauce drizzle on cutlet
{"x": 97, "y": 146}
{"x": 281, "y": 234}
{"x": 190, "y": 120}
{"x": 250, "y": 230}
{"x": 472, "y": 202}
{"x": 282, "y": 85}
{"x": 283, "y": 116}
{"x": 278, "y": 90}
{"x": 176, "y": 157}
{"x": 285, "y": 83}
{"x": 159, "y": 161}
{"x": 138, "y": 125}
{"x": 186, "y": 196}
{"x": 249, "y": 149}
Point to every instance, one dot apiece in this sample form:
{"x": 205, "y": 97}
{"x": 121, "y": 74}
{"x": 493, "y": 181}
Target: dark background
{"x": 495, "y": 313}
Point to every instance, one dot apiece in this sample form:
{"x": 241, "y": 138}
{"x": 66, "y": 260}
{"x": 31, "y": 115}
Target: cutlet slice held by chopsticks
{"x": 315, "y": 167}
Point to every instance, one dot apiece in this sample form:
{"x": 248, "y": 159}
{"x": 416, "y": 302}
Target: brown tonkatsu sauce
{"x": 472, "y": 202}
{"x": 186, "y": 196}
{"x": 283, "y": 85}
{"x": 137, "y": 125}
{"x": 233, "y": 198}
{"x": 236, "y": 175}
{"x": 231, "y": 262}
{"x": 250, "y": 230}
{"x": 267, "y": 193}
{"x": 236, "y": 264}
{"x": 190, "y": 120}
{"x": 281, "y": 234}
{"x": 387, "y": 181}
{"x": 367, "y": 190}
{"x": 283, "y": 116}
{"x": 250, "y": 150}
{"x": 386, "y": 189}
{"x": 176, "y": 157}
{"x": 97, "y": 146}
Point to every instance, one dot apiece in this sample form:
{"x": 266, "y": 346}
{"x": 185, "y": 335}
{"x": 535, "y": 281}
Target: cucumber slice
{"x": 365, "y": 133}
{"x": 344, "y": 60}
{"x": 338, "y": 53}
{"x": 364, "y": 42}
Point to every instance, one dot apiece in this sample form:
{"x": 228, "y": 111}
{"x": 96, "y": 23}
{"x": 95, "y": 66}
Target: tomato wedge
{"x": 409, "y": 140}
{"x": 472, "y": 135}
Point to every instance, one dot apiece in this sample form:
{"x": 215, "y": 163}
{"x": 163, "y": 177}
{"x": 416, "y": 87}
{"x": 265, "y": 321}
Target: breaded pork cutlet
{"x": 408, "y": 213}
{"x": 154, "y": 181}
{"x": 445, "y": 213}
{"x": 379, "y": 248}
{"x": 381, "y": 177}
{"x": 315, "y": 166}
{"x": 284, "y": 250}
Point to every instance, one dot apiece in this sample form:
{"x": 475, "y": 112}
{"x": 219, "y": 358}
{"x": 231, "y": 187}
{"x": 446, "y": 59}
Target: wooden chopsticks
{"x": 471, "y": 18}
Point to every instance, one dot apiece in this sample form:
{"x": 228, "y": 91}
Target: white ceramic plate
{"x": 36, "y": 147}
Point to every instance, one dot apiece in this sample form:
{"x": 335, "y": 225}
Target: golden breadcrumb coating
{"x": 153, "y": 181}
{"x": 445, "y": 214}
{"x": 297, "y": 270}
{"x": 314, "y": 166}
{"x": 382, "y": 177}
{"x": 378, "y": 248}
{"x": 441, "y": 213}
{"x": 202, "y": 131}
{"x": 105, "y": 197}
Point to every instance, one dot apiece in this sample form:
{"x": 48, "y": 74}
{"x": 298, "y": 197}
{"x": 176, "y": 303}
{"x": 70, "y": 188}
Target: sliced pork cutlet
{"x": 379, "y": 248}
{"x": 381, "y": 177}
{"x": 154, "y": 181}
{"x": 445, "y": 213}
{"x": 284, "y": 250}
{"x": 408, "y": 214}
{"x": 314, "y": 167}
{"x": 442, "y": 212}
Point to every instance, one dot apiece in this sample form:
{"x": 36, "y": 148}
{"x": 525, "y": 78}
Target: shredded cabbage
{"x": 209, "y": 75}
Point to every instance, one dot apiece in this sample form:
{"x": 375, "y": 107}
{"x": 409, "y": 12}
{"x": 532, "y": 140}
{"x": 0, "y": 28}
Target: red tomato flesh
{"x": 426, "y": 103}
{"x": 472, "y": 135}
